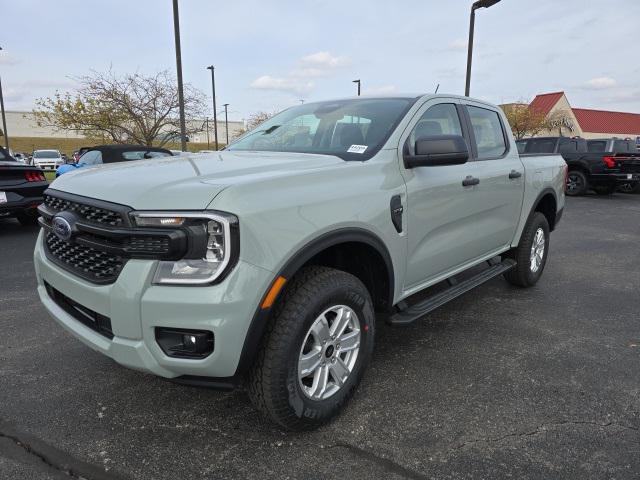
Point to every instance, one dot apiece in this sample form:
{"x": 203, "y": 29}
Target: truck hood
{"x": 184, "y": 182}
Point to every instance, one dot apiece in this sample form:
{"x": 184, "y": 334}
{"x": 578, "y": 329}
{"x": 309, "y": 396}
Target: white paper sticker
{"x": 3, "y": 197}
{"x": 357, "y": 148}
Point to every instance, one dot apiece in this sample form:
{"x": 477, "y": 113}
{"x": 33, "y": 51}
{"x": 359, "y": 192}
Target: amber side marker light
{"x": 273, "y": 292}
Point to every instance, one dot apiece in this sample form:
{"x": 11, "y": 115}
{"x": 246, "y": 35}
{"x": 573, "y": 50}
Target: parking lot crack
{"x": 389, "y": 465}
{"x": 543, "y": 429}
{"x": 55, "y": 458}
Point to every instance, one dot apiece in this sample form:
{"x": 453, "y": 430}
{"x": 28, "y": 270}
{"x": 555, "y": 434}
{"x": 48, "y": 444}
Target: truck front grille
{"x": 90, "y": 213}
{"x": 93, "y": 265}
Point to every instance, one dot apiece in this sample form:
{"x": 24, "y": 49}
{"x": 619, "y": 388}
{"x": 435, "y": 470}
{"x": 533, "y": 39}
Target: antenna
{"x": 437, "y": 87}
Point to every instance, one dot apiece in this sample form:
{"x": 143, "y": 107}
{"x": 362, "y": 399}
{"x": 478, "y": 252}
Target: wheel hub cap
{"x": 537, "y": 250}
{"x": 329, "y": 352}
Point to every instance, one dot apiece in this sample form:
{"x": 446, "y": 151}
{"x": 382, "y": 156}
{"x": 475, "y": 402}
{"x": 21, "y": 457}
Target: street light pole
{"x": 4, "y": 118}
{"x": 472, "y": 21}
{"x": 226, "y": 122}
{"x": 176, "y": 32}
{"x": 206, "y": 119}
{"x": 215, "y": 114}
{"x": 358, "y": 82}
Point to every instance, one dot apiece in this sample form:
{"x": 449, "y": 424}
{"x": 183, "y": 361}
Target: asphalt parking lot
{"x": 503, "y": 383}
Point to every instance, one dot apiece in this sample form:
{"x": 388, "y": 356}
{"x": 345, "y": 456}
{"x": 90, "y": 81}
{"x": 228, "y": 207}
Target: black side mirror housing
{"x": 438, "y": 150}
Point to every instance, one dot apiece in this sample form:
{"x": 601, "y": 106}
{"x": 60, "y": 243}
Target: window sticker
{"x": 357, "y": 149}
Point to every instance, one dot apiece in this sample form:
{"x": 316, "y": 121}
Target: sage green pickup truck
{"x": 266, "y": 264}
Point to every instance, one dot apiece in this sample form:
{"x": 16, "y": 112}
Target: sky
{"x": 269, "y": 55}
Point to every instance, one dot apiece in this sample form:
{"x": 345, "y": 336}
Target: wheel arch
{"x": 547, "y": 204}
{"x": 352, "y": 244}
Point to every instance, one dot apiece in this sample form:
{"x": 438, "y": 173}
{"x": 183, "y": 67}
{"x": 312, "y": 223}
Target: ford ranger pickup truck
{"x": 266, "y": 264}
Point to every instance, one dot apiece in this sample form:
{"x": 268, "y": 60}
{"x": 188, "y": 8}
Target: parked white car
{"x": 47, "y": 159}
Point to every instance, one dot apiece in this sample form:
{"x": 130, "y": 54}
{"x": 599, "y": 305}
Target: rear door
{"x": 498, "y": 196}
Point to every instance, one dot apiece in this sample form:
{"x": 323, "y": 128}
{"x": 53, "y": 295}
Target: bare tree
{"x": 524, "y": 121}
{"x": 254, "y": 120}
{"x": 132, "y": 108}
{"x": 559, "y": 120}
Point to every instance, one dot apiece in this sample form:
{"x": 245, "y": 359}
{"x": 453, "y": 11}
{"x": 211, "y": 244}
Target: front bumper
{"x": 135, "y": 307}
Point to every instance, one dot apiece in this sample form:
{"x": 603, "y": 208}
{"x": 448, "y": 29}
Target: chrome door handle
{"x": 469, "y": 181}
{"x": 515, "y": 174}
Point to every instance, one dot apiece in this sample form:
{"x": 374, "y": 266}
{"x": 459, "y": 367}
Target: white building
{"x": 23, "y": 124}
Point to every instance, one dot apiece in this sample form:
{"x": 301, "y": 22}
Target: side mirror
{"x": 438, "y": 150}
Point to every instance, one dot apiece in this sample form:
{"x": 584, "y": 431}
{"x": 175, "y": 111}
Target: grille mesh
{"x": 88, "y": 212}
{"x": 87, "y": 262}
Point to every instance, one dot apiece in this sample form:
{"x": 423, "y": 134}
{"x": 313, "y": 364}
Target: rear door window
{"x": 541, "y": 145}
{"x": 92, "y": 157}
{"x": 487, "y": 128}
{"x": 596, "y": 145}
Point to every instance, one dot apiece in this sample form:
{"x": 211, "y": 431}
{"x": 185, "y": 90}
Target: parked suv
{"x": 601, "y": 165}
{"x": 266, "y": 263}
{"x": 47, "y": 159}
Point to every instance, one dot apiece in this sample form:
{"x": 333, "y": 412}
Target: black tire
{"x": 605, "y": 189}
{"x": 28, "y": 218}
{"x": 523, "y": 275}
{"x": 629, "y": 187}
{"x": 273, "y": 384}
{"x": 577, "y": 183}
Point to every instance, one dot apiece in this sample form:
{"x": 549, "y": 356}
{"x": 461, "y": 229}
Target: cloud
{"x": 283, "y": 84}
{"x": 382, "y": 90}
{"x": 600, "y": 83}
{"x": 7, "y": 59}
{"x": 325, "y": 60}
{"x": 299, "y": 80}
{"x": 458, "y": 44}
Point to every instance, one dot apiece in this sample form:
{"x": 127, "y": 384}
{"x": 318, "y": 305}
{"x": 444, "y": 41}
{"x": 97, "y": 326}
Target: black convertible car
{"x": 21, "y": 188}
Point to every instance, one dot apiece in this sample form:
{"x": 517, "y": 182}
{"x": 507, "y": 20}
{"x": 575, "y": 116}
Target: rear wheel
{"x": 577, "y": 183}
{"x": 316, "y": 349}
{"x": 531, "y": 253}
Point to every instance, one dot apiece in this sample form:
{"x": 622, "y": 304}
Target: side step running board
{"x": 414, "y": 312}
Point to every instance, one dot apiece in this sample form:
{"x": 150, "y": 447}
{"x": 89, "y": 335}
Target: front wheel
{"x": 577, "y": 183}
{"x": 316, "y": 349}
{"x": 531, "y": 253}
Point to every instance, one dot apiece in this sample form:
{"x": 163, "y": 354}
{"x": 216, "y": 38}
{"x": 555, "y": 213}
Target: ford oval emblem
{"x": 62, "y": 228}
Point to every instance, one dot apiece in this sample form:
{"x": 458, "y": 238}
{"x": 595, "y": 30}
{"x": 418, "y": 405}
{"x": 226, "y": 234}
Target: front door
{"x": 441, "y": 212}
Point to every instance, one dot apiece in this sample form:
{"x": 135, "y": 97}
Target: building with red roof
{"x": 587, "y": 123}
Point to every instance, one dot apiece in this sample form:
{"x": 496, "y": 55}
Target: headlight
{"x": 213, "y": 245}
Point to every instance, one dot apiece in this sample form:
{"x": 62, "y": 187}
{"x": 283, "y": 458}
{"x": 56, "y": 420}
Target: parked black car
{"x": 21, "y": 188}
{"x": 601, "y": 164}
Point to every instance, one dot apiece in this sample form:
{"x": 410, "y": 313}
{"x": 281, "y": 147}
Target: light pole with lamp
{"x": 358, "y": 82}
{"x": 472, "y": 21}
{"x": 215, "y": 114}
{"x": 4, "y": 118}
{"x": 176, "y": 33}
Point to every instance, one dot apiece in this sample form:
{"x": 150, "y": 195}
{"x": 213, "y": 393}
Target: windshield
{"x": 351, "y": 129}
{"x": 46, "y": 154}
